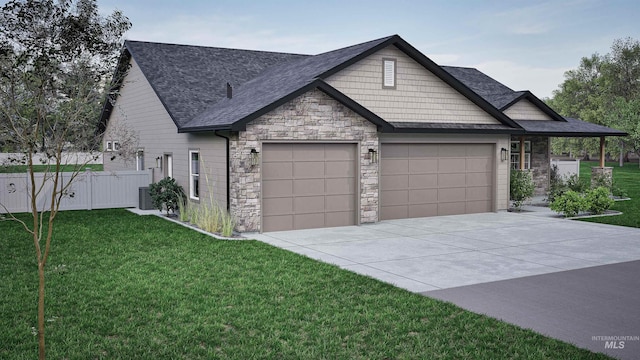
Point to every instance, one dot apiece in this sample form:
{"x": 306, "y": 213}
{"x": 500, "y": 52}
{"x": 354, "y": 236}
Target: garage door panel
{"x": 478, "y": 193}
{"x": 479, "y": 179}
{"x": 307, "y": 187}
{"x": 395, "y": 166}
{"x": 427, "y": 196}
{"x": 277, "y": 223}
{"x": 277, "y": 152}
{"x": 394, "y": 182}
{"x": 277, "y": 188}
{"x": 308, "y": 204}
{"x": 474, "y": 207}
{"x": 423, "y": 181}
{"x": 308, "y": 221}
{"x": 479, "y": 165}
{"x": 452, "y": 165}
{"x": 340, "y": 186}
{"x": 480, "y": 150}
{"x": 395, "y": 197}
{"x": 423, "y": 210}
{"x": 452, "y": 150}
{"x": 423, "y": 151}
{"x": 452, "y": 208}
{"x": 392, "y": 151}
{"x": 308, "y": 169}
{"x": 278, "y": 170}
{"x": 308, "y": 152}
{"x": 340, "y": 218}
{"x": 339, "y": 152}
{"x": 452, "y": 180}
{"x": 394, "y": 212}
{"x": 441, "y": 179}
{"x": 277, "y": 206}
{"x": 423, "y": 166}
{"x": 451, "y": 195}
{"x": 339, "y": 169}
{"x": 340, "y": 203}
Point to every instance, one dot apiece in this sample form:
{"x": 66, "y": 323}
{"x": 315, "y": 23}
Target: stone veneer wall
{"x": 540, "y": 163}
{"x": 313, "y": 116}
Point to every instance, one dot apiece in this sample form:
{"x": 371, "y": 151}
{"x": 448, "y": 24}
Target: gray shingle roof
{"x": 572, "y": 127}
{"x": 188, "y": 79}
{"x": 274, "y": 86}
{"x": 496, "y": 93}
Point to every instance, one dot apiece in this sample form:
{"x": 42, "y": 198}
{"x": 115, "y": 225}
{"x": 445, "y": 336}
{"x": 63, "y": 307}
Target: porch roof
{"x": 569, "y": 128}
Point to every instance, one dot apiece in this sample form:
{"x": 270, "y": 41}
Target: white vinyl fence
{"x": 567, "y": 168}
{"x": 89, "y": 190}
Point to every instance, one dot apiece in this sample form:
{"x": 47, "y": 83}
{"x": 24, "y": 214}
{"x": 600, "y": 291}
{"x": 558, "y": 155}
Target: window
{"x": 140, "y": 160}
{"x": 109, "y": 146}
{"x": 388, "y": 73}
{"x": 194, "y": 174}
{"x": 116, "y": 145}
{"x": 515, "y": 155}
{"x": 168, "y": 165}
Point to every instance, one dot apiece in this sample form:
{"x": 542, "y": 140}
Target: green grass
{"x": 122, "y": 286}
{"x": 43, "y": 168}
{"x": 628, "y": 179}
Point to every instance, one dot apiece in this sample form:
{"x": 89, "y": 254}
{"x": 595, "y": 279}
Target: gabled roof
{"x": 190, "y": 81}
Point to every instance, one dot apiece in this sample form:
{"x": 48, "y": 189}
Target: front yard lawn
{"x": 626, "y": 178}
{"x": 122, "y": 286}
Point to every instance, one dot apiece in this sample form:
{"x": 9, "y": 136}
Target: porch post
{"x": 601, "y": 151}
{"x": 521, "y": 166}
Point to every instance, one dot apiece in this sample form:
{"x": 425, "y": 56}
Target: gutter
{"x": 228, "y": 168}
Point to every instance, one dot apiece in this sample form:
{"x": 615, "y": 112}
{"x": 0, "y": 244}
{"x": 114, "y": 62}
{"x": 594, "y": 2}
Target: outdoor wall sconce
{"x": 255, "y": 157}
{"x": 504, "y": 154}
{"x": 373, "y": 156}
{"x": 159, "y": 162}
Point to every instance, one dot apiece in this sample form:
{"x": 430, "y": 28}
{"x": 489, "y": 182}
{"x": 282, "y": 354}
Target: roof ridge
{"x": 213, "y": 47}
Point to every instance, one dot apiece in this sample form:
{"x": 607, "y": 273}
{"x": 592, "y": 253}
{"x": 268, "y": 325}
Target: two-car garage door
{"x": 420, "y": 180}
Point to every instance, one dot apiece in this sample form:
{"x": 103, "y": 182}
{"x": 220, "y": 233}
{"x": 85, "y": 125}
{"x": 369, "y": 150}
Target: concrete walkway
{"x": 450, "y": 251}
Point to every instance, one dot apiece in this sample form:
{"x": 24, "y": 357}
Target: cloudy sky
{"x": 527, "y": 45}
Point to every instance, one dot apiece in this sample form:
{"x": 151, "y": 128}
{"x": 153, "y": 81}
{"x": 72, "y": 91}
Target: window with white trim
{"x": 388, "y": 73}
{"x": 194, "y": 174}
{"x": 168, "y": 165}
{"x": 515, "y": 155}
{"x": 109, "y": 146}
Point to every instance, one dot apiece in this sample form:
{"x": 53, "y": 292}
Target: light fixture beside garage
{"x": 373, "y": 156}
{"x": 504, "y": 154}
{"x": 255, "y": 157}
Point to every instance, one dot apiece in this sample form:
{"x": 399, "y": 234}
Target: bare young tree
{"x": 55, "y": 57}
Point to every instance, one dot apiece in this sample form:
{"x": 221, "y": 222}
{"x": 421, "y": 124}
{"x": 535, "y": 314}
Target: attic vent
{"x": 229, "y": 91}
{"x": 389, "y": 73}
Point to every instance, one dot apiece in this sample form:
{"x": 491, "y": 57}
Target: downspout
{"x": 228, "y": 168}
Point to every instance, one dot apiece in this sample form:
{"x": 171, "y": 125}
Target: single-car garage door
{"x": 308, "y": 186}
{"x": 419, "y": 180}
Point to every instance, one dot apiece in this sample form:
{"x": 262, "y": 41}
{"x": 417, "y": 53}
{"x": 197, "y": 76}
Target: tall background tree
{"x": 605, "y": 90}
{"x": 55, "y": 59}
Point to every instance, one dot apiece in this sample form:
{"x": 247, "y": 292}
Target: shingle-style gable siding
{"x": 525, "y": 110}
{"x": 419, "y": 96}
{"x": 139, "y": 110}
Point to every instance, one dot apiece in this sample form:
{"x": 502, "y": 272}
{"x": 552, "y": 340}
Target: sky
{"x": 526, "y": 45}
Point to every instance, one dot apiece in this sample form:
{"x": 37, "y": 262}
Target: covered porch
{"x": 531, "y": 150}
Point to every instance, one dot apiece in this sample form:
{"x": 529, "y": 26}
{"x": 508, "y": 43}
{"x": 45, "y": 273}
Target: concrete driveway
{"x": 572, "y": 280}
{"x": 450, "y": 251}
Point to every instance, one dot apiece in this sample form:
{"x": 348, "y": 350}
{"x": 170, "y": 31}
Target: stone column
{"x": 597, "y": 175}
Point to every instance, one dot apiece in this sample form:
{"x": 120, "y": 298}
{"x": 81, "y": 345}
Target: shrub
{"x": 574, "y": 183}
{"x": 166, "y": 194}
{"x": 557, "y": 185}
{"x": 521, "y": 188}
{"x": 569, "y": 204}
{"x": 598, "y": 200}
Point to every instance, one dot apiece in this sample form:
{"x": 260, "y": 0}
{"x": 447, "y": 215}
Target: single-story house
{"x": 365, "y": 133}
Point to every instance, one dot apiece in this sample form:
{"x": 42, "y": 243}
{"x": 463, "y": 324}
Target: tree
{"x": 603, "y": 90}
{"x": 55, "y": 57}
